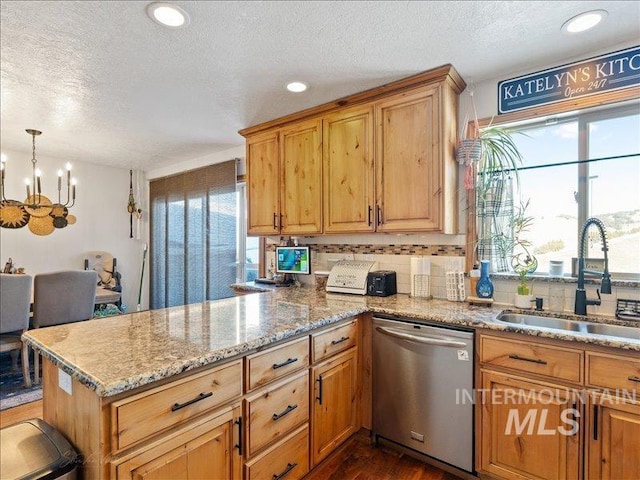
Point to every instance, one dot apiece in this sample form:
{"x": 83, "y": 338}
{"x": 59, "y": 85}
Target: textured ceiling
{"x": 107, "y": 85}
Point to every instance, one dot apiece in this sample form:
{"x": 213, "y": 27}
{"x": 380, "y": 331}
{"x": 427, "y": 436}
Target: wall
{"x": 102, "y": 223}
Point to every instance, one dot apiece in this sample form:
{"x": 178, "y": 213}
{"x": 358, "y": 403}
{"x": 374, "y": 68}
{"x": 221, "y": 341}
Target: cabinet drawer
{"x": 287, "y": 459}
{"x": 277, "y": 362}
{"x": 560, "y": 363}
{"x": 612, "y": 372}
{"x": 140, "y": 416}
{"x": 328, "y": 342}
{"x": 274, "y": 412}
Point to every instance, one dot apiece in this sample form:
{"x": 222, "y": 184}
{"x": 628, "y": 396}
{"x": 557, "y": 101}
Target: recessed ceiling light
{"x": 584, "y": 21}
{"x": 296, "y": 87}
{"x": 168, "y": 14}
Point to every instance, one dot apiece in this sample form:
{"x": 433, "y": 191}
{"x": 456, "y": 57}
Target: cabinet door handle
{"x": 290, "y": 466}
{"x": 595, "y": 422}
{"x": 278, "y": 416}
{"x": 525, "y": 359}
{"x": 281, "y": 224}
{"x": 202, "y": 396}
{"x": 284, "y": 364}
{"x": 319, "y": 397}
{"x": 634, "y": 378}
{"x": 239, "y": 445}
{"x": 370, "y": 208}
{"x": 275, "y": 227}
{"x": 379, "y": 215}
{"x": 336, "y": 342}
{"x": 574, "y": 407}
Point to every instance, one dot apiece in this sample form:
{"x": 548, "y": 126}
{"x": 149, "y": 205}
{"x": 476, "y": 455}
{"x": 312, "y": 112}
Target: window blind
{"x": 193, "y": 236}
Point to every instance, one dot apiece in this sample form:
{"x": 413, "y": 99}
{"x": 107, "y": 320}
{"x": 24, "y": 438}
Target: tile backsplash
{"x": 557, "y": 294}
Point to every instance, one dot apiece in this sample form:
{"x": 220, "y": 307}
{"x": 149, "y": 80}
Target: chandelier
{"x": 37, "y": 211}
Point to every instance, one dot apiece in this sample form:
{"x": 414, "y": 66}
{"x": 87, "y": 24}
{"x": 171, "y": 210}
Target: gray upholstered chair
{"x": 15, "y": 297}
{"x": 62, "y": 297}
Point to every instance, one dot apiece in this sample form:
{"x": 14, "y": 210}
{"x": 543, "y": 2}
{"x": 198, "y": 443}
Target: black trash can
{"x": 33, "y": 449}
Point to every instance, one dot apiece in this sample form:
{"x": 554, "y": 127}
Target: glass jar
{"x": 484, "y": 288}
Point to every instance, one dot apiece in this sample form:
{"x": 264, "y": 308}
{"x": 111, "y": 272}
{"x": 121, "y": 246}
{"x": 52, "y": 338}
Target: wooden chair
{"x": 15, "y": 295}
{"x": 62, "y": 297}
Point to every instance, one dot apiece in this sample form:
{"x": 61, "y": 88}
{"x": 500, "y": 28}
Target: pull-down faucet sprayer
{"x": 605, "y": 287}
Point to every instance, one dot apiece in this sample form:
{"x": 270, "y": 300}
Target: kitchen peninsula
{"x": 107, "y": 381}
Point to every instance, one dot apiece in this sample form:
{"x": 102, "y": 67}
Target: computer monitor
{"x": 293, "y": 260}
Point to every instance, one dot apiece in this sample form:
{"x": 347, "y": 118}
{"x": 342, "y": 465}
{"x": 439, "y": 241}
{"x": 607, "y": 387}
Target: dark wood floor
{"x": 358, "y": 459}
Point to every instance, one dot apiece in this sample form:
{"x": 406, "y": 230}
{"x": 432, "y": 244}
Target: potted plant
{"x": 522, "y": 261}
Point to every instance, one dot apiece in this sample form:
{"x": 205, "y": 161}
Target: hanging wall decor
{"x": 131, "y": 206}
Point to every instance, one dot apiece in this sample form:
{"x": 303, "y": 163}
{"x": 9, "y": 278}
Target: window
{"x": 579, "y": 167}
{"x": 193, "y": 236}
{"x": 248, "y": 247}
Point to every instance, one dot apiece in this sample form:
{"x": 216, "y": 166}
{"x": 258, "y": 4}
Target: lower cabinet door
{"x": 203, "y": 450}
{"x": 287, "y": 459}
{"x": 613, "y": 439}
{"x": 529, "y": 430}
{"x": 334, "y": 403}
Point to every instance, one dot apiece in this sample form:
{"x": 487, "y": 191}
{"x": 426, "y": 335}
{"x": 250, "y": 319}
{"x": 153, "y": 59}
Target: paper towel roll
{"x": 420, "y": 266}
{"x": 420, "y": 271}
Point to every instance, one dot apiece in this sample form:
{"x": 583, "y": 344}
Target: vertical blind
{"x": 193, "y": 236}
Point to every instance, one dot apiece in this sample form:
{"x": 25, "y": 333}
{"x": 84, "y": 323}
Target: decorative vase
{"x": 484, "y": 289}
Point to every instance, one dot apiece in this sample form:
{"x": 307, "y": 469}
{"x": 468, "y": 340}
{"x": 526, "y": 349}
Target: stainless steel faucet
{"x": 605, "y": 287}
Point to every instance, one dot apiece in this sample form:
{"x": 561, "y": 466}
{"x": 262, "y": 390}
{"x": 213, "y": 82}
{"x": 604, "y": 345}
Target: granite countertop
{"x": 115, "y": 354}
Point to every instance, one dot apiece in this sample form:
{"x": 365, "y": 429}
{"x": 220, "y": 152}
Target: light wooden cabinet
{"x": 277, "y": 411}
{"x": 263, "y": 186}
{"x": 613, "y": 420}
{"x": 334, "y": 417}
{"x": 187, "y": 428}
{"x": 409, "y": 167}
{"x": 203, "y": 450}
{"x": 284, "y": 168}
{"x": 552, "y": 409}
{"x": 301, "y": 178}
{"x": 348, "y": 168}
{"x": 388, "y": 162}
{"x": 529, "y": 430}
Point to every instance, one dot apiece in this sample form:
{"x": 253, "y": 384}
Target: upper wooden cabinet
{"x": 348, "y": 165}
{"x": 381, "y": 160}
{"x": 284, "y": 170}
{"x": 263, "y": 185}
{"x": 301, "y": 178}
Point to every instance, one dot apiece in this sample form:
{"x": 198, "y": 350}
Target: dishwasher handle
{"x": 421, "y": 339}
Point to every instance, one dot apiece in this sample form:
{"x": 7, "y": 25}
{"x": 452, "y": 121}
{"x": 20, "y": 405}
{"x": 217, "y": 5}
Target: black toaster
{"x": 381, "y": 283}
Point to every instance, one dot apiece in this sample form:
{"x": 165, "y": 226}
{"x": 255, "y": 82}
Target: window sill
{"x": 616, "y": 282}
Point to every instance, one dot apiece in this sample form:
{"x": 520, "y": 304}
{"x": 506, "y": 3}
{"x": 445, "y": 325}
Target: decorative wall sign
{"x": 612, "y": 71}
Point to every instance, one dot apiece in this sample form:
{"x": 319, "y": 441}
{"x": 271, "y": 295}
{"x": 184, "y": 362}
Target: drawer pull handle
{"x": 336, "y": 342}
{"x": 239, "y": 445}
{"x": 319, "y": 397}
{"x": 284, "y": 364}
{"x": 633, "y": 378}
{"x": 525, "y": 359}
{"x": 202, "y": 396}
{"x": 290, "y": 466}
{"x": 278, "y": 416}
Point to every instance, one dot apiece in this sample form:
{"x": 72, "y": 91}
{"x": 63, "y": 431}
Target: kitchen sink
{"x": 546, "y": 322}
{"x": 554, "y": 323}
{"x": 613, "y": 330}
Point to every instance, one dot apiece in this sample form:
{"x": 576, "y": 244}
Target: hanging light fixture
{"x": 37, "y": 211}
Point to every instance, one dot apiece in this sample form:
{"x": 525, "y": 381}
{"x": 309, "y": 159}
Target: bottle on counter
{"x": 484, "y": 289}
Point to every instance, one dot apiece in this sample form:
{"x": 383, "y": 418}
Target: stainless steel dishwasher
{"x": 422, "y": 389}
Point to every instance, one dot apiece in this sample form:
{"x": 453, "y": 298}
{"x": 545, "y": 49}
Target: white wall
{"x": 102, "y": 223}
